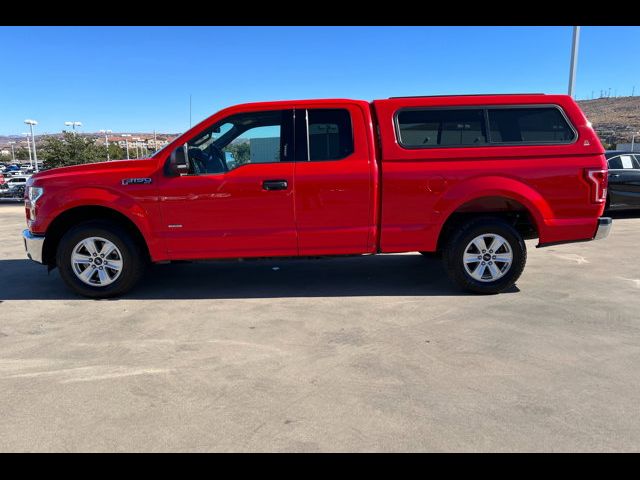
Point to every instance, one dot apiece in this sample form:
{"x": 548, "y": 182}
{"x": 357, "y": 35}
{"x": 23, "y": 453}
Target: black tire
{"x": 460, "y": 238}
{"x": 134, "y": 259}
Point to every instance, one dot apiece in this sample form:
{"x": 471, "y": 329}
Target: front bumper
{"x": 33, "y": 245}
{"x": 604, "y": 227}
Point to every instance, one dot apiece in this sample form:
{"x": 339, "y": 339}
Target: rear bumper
{"x": 33, "y": 245}
{"x": 604, "y": 227}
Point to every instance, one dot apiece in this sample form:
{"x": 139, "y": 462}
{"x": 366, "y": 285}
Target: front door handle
{"x": 275, "y": 185}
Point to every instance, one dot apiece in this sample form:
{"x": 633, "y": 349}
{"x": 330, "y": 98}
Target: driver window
{"x": 256, "y": 137}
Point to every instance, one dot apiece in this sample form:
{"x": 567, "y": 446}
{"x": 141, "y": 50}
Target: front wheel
{"x": 486, "y": 255}
{"x": 99, "y": 259}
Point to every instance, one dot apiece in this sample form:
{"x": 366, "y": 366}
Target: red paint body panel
{"x": 334, "y": 200}
{"x": 381, "y": 198}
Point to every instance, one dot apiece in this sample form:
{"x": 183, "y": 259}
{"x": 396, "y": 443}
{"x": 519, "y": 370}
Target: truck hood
{"x": 125, "y": 167}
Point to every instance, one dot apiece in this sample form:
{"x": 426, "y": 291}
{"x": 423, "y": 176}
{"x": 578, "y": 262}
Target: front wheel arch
{"x": 74, "y": 216}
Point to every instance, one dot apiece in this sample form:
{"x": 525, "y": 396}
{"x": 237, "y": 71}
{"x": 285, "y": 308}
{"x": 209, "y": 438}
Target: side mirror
{"x": 178, "y": 163}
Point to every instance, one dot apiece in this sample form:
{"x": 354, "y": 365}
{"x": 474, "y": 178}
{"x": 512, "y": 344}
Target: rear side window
{"x": 330, "y": 134}
{"x": 463, "y": 127}
{"x": 529, "y": 125}
{"x": 433, "y": 127}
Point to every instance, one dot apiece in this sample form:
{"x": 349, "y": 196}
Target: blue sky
{"x": 140, "y": 78}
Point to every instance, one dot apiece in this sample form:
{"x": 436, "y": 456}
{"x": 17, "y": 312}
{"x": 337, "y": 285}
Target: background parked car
{"x": 624, "y": 180}
{"x": 13, "y": 187}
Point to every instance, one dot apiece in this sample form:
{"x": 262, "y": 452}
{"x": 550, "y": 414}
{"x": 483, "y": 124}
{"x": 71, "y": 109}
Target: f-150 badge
{"x": 130, "y": 181}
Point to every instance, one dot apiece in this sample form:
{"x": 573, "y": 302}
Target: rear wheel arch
{"x": 506, "y": 208}
{"x": 77, "y": 215}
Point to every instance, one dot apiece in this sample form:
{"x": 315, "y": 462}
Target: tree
{"x": 71, "y": 149}
{"x": 241, "y": 152}
{"x": 22, "y": 153}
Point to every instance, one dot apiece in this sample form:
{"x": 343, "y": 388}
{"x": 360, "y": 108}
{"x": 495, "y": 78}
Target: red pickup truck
{"x": 469, "y": 177}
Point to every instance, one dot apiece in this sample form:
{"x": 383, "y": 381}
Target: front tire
{"x": 486, "y": 255}
{"x": 100, "y": 259}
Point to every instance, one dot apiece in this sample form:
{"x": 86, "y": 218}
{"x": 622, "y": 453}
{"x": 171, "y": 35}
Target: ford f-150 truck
{"x": 470, "y": 177}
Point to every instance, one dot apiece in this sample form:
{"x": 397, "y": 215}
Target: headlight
{"x": 34, "y": 193}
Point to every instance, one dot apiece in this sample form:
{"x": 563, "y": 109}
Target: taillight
{"x": 597, "y": 178}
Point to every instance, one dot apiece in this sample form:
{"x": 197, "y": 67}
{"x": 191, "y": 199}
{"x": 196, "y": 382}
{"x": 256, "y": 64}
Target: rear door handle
{"x": 275, "y": 185}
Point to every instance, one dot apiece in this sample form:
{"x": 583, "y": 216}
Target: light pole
{"x": 31, "y": 123}
{"x": 137, "y": 139}
{"x": 13, "y": 152}
{"x": 126, "y": 142}
{"x": 106, "y": 140}
{"x": 73, "y": 125}
{"x": 29, "y": 149}
{"x": 574, "y": 59}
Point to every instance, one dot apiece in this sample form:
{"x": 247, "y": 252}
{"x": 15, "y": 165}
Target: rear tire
{"x": 486, "y": 255}
{"x": 97, "y": 275}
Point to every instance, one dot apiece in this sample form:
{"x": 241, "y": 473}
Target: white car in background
{"x": 13, "y": 187}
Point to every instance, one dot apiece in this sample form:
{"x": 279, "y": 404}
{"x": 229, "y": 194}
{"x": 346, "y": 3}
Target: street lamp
{"x": 106, "y": 140}
{"x": 137, "y": 139}
{"x": 13, "y": 152}
{"x": 29, "y": 149}
{"x": 73, "y": 125}
{"x": 31, "y": 123}
{"x": 633, "y": 137}
{"x": 574, "y": 59}
{"x": 126, "y": 142}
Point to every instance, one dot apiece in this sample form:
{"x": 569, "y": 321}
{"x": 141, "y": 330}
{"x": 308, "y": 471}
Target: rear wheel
{"x": 486, "y": 255}
{"x": 99, "y": 259}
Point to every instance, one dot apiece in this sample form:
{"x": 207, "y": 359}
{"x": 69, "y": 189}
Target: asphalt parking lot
{"x": 352, "y": 354}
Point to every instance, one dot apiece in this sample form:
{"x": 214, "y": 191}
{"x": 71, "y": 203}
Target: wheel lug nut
{"x": 93, "y": 266}
{"x": 490, "y": 263}
{"x": 479, "y": 257}
{"x": 102, "y": 255}
{"x": 490, "y": 251}
{"x": 484, "y": 251}
{"x": 482, "y": 263}
{"x": 99, "y": 268}
{"x": 494, "y": 257}
{"x": 95, "y": 254}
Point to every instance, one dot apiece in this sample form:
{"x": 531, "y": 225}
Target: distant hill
{"x": 614, "y": 119}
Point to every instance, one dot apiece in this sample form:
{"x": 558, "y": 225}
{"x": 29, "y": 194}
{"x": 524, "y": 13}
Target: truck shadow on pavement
{"x": 382, "y": 275}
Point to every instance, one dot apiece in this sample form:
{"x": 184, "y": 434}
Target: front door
{"x": 237, "y": 198}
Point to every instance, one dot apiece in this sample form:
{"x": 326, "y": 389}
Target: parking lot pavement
{"x": 353, "y": 354}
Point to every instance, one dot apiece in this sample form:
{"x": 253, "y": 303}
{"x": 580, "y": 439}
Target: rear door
{"x": 334, "y": 180}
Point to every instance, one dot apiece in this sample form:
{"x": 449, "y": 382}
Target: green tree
{"x": 22, "y": 153}
{"x": 241, "y": 152}
{"x": 71, "y": 149}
